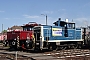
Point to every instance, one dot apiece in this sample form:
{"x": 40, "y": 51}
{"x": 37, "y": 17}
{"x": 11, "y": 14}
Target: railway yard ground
{"x": 68, "y": 54}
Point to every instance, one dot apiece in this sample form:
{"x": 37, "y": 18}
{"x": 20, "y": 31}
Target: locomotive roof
{"x": 31, "y": 24}
{"x": 64, "y": 22}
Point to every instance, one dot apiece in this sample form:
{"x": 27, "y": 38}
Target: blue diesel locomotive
{"x": 62, "y": 35}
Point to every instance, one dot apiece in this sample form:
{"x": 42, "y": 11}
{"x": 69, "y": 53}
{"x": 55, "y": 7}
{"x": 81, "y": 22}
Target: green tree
{"x": 4, "y": 31}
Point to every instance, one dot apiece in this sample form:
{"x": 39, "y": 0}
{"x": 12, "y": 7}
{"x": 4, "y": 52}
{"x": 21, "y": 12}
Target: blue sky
{"x": 19, "y": 12}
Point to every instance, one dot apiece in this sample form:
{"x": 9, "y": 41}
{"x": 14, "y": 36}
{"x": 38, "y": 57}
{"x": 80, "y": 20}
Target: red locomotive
{"x": 22, "y": 39}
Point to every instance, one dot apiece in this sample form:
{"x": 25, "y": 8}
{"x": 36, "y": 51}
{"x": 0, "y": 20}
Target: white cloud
{"x": 6, "y": 18}
{"x": 87, "y": 4}
{"x": 47, "y": 12}
{"x": 28, "y": 16}
{"x": 2, "y": 11}
{"x": 16, "y": 18}
{"x": 50, "y": 20}
{"x": 62, "y": 10}
{"x": 11, "y": 18}
{"x": 82, "y": 21}
{"x": 79, "y": 19}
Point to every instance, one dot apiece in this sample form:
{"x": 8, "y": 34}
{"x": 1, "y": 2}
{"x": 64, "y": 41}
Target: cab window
{"x": 71, "y": 26}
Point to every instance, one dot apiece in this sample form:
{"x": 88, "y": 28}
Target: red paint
{"x": 22, "y": 35}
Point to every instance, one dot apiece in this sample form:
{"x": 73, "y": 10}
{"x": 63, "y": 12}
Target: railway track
{"x": 69, "y": 54}
{"x": 7, "y": 55}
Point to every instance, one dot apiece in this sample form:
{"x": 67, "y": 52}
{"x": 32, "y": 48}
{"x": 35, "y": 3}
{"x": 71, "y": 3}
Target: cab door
{"x": 37, "y": 34}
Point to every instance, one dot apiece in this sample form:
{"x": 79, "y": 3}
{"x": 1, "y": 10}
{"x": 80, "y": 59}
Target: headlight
{"x": 15, "y": 39}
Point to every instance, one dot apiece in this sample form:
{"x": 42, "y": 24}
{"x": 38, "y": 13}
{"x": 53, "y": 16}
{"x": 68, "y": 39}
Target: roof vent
{"x": 59, "y": 19}
{"x": 66, "y": 20}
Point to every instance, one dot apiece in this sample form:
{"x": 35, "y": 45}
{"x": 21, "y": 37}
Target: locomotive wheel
{"x": 63, "y": 48}
{"x": 75, "y": 46}
{"x": 14, "y": 45}
{"x": 69, "y": 47}
{"x": 79, "y": 46}
{"x": 54, "y": 47}
{"x": 50, "y": 47}
{"x": 72, "y": 46}
{"x": 29, "y": 44}
{"x": 5, "y": 44}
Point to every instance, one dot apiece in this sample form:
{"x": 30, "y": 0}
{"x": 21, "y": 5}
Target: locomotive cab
{"x": 65, "y": 25}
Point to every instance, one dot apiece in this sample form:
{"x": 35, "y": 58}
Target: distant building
{"x": 15, "y": 27}
{"x": 3, "y": 36}
{"x": 87, "y": 29}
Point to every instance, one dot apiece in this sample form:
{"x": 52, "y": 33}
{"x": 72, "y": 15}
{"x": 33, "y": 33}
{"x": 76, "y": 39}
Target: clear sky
{"x": 19, "y": 12}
